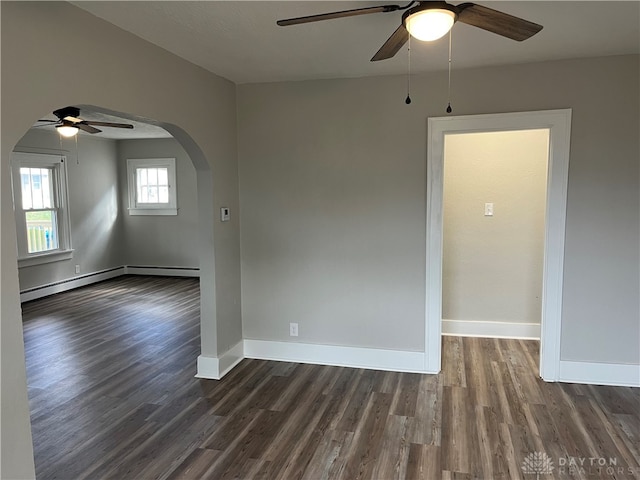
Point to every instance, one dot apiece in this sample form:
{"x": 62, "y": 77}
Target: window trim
{"x": 64, "y": 251}
{"x": 135, "y": 208}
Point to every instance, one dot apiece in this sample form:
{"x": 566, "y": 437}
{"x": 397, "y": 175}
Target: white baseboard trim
{"x": 214, "y": 368}
{"x": 70, "y": 284}
{"x": 163, "y": 271}
{"x": 472, "y": 328}
{"x": 231, "y": 358}
{"x": 615, "y": 374}
{"x": 208, "y": 367}
{"x": 354, "y": 357}
{"x": 95, "y": 277}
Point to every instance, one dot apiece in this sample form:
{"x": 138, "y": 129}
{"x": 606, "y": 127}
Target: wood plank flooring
{"x": 113, "y": 395}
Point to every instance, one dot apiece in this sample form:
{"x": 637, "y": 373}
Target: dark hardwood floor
{"x": 113, "y": 395}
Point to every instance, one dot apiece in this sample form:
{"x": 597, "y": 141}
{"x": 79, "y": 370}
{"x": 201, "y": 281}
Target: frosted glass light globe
{"x": 430, "y": 24}
{"x": 67, "y": 130}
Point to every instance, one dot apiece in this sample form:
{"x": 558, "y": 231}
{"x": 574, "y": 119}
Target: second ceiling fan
{"x": 432, "y": 20}
{"x": 69, "y": 122}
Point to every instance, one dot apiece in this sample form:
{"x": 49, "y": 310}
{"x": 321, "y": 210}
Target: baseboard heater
{"x": 168, "y": 271}
{"x": 60, "y": 286}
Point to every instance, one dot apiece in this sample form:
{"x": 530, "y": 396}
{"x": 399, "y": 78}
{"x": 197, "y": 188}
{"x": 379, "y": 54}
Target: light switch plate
{"x": 224, "y": 214}
{"x": 488, "y": 209}
{"x": 293, "y": 329}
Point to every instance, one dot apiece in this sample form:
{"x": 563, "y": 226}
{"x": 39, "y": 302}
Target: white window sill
{"x": 153, "y": 211}
{"x": 45, "y": 257}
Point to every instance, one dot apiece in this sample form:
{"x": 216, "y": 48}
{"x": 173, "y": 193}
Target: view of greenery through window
{"x": 40, "y": 214}
{"x": 41, "y": 231}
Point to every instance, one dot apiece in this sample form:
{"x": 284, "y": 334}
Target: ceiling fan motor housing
{"x": 67, "y": 112}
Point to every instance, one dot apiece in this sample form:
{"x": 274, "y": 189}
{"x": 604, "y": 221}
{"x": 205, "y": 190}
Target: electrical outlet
{"x": 293, "y": 329}
{"x": 77, "y": 268}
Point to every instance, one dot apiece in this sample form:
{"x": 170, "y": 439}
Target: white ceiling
{"x": 239, "y": 40}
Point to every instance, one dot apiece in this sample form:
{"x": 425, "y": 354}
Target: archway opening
{"x": 96, "y": 190}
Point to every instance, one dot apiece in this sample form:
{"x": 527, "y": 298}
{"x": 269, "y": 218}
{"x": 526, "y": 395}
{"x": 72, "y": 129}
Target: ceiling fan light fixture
{"x": 430, "y": 24}
{"x": 67, "y": 130}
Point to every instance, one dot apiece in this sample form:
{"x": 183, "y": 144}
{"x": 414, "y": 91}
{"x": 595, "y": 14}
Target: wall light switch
{"x": 488, "y": 209}
{"x": 224, "y": 214}
{"x": 293, "y": 329}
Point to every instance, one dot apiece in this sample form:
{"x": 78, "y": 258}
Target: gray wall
{"x": 333, "y": 184}
{"x": 159, "y": 240}
{"x": 92, "y": 173}
{"x": 492, "y": 265}
{"x": 333, "y": 218}
{"x": 125, "y": 75}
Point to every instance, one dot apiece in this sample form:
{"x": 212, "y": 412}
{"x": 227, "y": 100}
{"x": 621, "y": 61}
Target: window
{"x": 152, "y": 186}
{"x": 42, "y": 216}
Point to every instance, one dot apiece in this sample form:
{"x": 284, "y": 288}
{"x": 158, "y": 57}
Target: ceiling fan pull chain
{"x": 408, "y": 99}
{"x": 449, "y": 109}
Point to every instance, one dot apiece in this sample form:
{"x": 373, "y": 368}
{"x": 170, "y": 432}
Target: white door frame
{"x": 559, "y": 124}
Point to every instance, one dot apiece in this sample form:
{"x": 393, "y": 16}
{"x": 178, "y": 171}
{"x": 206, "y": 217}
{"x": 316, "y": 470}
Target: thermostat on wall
{"x": 224, "y": 214}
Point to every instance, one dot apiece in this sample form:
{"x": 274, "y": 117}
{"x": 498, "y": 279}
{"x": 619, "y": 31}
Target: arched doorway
{"x": 10, "y": 289}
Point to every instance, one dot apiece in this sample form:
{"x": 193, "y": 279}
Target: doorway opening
{"x": 495, "y": 189}
{"x": 557, "y": 123}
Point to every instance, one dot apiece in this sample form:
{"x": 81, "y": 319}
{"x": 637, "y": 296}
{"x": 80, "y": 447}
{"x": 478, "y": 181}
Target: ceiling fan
{"x": 69, "y": 122}
{"x": 432, "y": 20}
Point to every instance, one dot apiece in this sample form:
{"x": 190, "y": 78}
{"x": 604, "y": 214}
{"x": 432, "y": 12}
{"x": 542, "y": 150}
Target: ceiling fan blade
{"x": 46, "y": 120}
{"x": 393, "y": 44}
{"x": 341, "y": 14}
{"x": 44, "y": 125}
{"x": 107, "y": 124}
{"x": 86, "y": 128}
{"x": 497, "y": 22}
